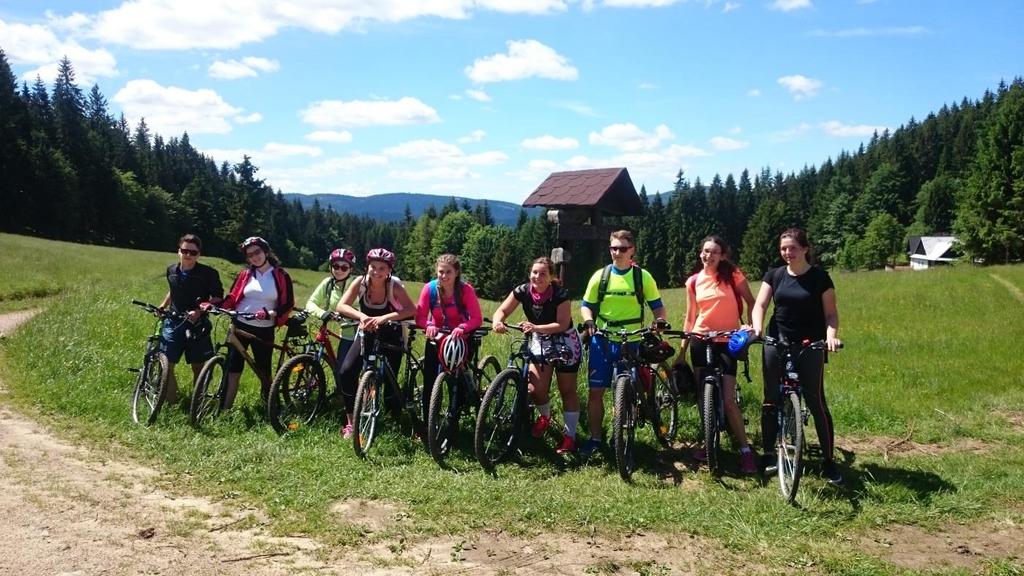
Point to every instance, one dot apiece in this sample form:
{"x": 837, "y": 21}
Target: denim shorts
{"x": 603, "y": 355}
{"x": 176, "y": 340}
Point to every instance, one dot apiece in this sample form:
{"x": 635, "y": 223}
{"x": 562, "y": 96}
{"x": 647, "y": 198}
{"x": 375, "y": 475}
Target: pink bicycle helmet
{"x": 342, "y": 254}
{"x": 381, "y": 255}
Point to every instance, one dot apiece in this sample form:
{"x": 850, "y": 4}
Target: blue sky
{"x": 484, "y": 98}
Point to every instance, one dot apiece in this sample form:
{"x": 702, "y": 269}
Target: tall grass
{"x": 933, "y": 354}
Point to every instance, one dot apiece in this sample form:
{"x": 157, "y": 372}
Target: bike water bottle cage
{"x": 638, "y": 291}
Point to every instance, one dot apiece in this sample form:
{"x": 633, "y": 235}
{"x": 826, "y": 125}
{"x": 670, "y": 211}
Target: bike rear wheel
{"x": 150, "y": 388}
{"x": 366, "y": 412}
{"x": 412, "y": 395}
{"x": 624, "y": 426}
{"x": 297, "y": 393}
{"x": 443, "y": 416}
{"x": 665, "y": 402}
{"x": 789, "y": 446}
{"x": 208, "y": 395}
{"x": 498, "y": 422}
{"x": 709, "y": 415}
{"x": 487, "y": 369}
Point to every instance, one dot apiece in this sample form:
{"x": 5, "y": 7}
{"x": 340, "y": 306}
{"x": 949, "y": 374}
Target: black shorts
{"x": 721, "y": 349}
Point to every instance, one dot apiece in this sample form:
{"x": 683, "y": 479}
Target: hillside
{"x": 391, "y": 207}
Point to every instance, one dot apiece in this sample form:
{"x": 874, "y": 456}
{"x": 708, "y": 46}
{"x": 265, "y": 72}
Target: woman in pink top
{"x": 714, "y": 302}
{"x": 446, "y": 303}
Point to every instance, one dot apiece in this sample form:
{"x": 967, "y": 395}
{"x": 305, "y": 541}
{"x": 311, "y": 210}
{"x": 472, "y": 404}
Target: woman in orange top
{"x": 715, "y": 297}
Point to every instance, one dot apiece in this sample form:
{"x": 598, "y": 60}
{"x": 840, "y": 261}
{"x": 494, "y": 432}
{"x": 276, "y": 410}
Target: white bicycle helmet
{"x": 451, "y": 353}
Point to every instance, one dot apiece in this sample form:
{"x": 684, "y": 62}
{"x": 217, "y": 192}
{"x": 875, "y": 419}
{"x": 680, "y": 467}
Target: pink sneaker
{"x": 748, "y": 462}
{"x": 540, "y": 426}
{"x": 567, "y": 446}
{"x": 347, "y": 431}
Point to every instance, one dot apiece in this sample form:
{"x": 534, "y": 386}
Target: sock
{"x": 571, "y": 420}
{"x": 545, "y": 409}
{"x": 745, "y": 449}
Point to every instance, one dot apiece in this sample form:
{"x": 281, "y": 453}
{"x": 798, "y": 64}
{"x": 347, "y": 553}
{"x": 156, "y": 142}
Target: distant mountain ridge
{"x": 391, "y": 207}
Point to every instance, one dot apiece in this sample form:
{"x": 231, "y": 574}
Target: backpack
{"x": 435, "y": 299}
{"x": 364, "y": 285}
{"x": 638, "y": 290}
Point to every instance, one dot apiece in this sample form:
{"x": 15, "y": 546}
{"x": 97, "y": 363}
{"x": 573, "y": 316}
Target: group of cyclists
{"x": 448, "y": 310}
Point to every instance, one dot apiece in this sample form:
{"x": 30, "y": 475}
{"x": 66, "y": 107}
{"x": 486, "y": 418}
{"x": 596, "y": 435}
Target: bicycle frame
{"x": 376, "y": 360}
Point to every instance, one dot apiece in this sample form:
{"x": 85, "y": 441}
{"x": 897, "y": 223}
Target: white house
{"x": 930, "y": 251}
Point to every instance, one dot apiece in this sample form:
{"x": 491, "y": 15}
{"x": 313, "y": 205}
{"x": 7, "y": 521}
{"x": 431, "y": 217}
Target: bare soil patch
{"x": 887, "y": 446}
{"x": 968, "y": 547}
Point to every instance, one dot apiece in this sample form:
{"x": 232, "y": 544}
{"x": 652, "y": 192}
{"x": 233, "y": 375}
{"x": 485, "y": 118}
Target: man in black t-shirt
{"x": 189, "y": 284}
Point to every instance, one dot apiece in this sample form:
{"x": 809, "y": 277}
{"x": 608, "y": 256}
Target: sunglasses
{"x": 188, "y": 251}
{"x": 342, "y": 267}
{"x": 619, "y": 248}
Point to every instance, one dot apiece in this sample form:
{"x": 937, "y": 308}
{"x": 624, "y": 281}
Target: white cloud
{"x": 442, "y": 153}
{"x": 646, "y": 86}
{"x": 791, "y": 133}
{"x": 37, "y": 45}
{"x": 800, "y": 86}
{"x": 523, "y": 6}
{"x": 735, "y": 130}
{"x": 434, "y": 173}
{"x": 577, "y": 107}
{"x": 685, "y": 151}
{"x": 170, "y": 110}
{"x": 730, "y": 6}
{"x": 790, "y": 5}
{"x": 548, "y": 142}
{"x": 340, "y": 114}
{"x": 249, "y": 118}
{"x": 472, "y": 137}
{"x": 525, "y": 59}
{"x": 278, "y": 150}
{"x": 863, "y": 32}
{"x": 335, "y": 136}
{"x": 478, "y": 95}
{"x": 248, "y": 67}
{"x": 639, "y": 3}
{"x": 630, "y": 138}
{"x": 837, "y": 129}
{"x": 723, "y": 144}
{"x": 754, "y": 93}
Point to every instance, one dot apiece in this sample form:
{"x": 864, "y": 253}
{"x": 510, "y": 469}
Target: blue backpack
{"x": 435, "y": 300}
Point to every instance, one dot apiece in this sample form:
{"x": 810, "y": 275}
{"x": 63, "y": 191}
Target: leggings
{"x": 812, "y": 380}
{"x": 348, "y": 379}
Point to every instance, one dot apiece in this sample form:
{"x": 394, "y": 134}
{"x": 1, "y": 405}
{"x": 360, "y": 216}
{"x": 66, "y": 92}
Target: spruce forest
{"x": 71, "y": 171}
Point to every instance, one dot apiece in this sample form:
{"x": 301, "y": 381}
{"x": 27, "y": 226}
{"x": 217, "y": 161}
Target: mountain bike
{"x": 151, "y": 383}
{"x": 212, "y": 381}
{"x": 712, "y": 412}
{"x": 506, "y": 409}
{"x": 378, "y": 382}
{"x": 637, "y": 389}
{"x": 457, "y": 393}
{"x": 299, "y": 390}
{"x": 791, "y": 413}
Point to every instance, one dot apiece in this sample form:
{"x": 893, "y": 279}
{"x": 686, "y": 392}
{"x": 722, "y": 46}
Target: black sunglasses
{"x": 341, "y": 267}
{"x": 188, "y": 251}
{"x": 619, "y": 248}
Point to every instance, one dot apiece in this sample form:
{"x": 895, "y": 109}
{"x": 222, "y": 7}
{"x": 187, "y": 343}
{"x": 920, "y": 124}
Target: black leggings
{"x": 349, "y": 379}
{"x": 812, "y": 379}
{"x": 261, "y": 353}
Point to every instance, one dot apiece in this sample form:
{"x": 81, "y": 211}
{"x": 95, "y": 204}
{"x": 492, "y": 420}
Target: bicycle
{"x": 299, "y": 390}
{"x": 712, "y": 407}
{"x": 378, "y": 381}
{"x": 151, "y": 384}
{"x": 636, "y": 405}
{"x": 457, "y": 391}
{"x": 209, "y": 403}
{"x": 506, "y": 409}
{"x": 791, "y": 413}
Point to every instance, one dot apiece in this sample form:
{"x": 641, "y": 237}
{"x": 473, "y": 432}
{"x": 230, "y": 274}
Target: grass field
{"x": 932, "y": 359}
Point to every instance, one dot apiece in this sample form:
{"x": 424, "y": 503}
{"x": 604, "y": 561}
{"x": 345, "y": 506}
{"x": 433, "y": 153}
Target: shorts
{"x": 603, "y": 355}
{"x": 721, "y": 349}
{"x": 175, "y": 341}
{"x": 565, "y": 349}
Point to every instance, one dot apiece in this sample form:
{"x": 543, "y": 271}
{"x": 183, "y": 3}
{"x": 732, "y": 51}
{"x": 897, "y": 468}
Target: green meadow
{"x": 932, "y": 360}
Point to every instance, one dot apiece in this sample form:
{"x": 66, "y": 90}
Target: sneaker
{"x": 769, "y": 463}
{"x": 540, "y": 426}
{"x": 748, "y": 462}
{"x": 701, "y": 455}
{"x": 567, "y": 446}
{"x": 589, "y": 447}
{"x": 347, "y": 431}
{"x": 831, "y": 472}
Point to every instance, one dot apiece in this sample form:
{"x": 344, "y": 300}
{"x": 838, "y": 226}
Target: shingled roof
{"x": 610, "y": 190}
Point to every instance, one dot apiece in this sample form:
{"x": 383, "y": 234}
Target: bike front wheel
{"x": 443, "y": 416}
{"x": 366, "y": 412}
{"x": 150, "y": 388}
{"x": 624, "y": 426}
{"x": 412, "y": 396}
{"x": 789, "y": 446}
{"x": 296, "y": 394}
{"x": 665, "y": 404}
{"x": 497, "y": 423}
{"x": 709, "y": 416}
{"x": 208, "y": 396}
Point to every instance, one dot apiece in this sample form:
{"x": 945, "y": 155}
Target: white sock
{"x": 571, "y": 420}
{"x": 745, "y": 449}
{"x": 545, "y": 409}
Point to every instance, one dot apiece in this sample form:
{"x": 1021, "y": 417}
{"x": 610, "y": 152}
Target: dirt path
{"x": 68, "y": 510}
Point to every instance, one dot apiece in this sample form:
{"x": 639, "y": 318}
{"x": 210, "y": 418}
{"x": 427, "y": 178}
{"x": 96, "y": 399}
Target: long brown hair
{"x": 453, "y": 261}
{"x": 799, "y": 235}
{"x": 725, "y": 266}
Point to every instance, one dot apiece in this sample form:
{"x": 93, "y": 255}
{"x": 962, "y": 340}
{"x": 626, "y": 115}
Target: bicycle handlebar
{"x": 218, "y": 311}
{"x": 159, "y": 312}
{"x": 781, "y": 343}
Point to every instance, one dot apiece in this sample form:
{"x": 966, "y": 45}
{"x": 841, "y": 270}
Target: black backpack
{"x": 638, "y": 290}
